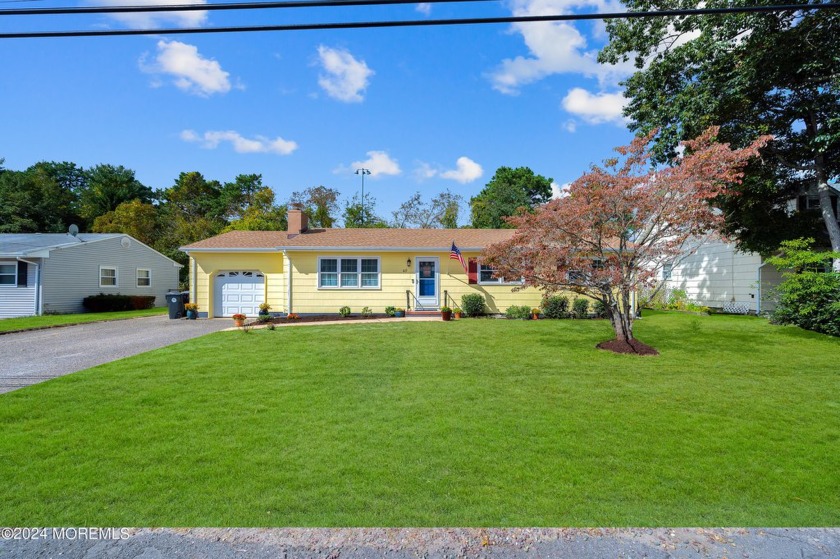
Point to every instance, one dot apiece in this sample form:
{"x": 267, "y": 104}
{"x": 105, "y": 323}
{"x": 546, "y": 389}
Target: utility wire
{"x": 210, "y": 7}
{"x": 422, "y": 23}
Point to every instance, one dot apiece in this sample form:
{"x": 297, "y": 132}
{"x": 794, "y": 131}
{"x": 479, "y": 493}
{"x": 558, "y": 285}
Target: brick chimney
{"x": 298, "y": 221}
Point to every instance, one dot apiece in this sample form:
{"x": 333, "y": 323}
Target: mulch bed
{"x": 322, "y": 318}
{"x": 633, "y": 347}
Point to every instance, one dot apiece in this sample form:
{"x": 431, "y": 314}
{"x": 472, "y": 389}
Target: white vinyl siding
{"x": 108, "y": 276}
{"x": 19, "y": 298}
{"x": 348, "y": 273}
{"x": 144, "y": 277}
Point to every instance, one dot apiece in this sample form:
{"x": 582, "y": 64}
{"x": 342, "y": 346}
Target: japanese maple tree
{"x": 619, "y": 223}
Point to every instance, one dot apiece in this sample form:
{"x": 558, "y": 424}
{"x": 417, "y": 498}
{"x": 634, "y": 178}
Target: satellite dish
{"x": 73, "y": 230}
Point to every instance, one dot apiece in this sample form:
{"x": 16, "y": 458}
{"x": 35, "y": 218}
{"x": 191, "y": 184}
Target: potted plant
{"x": 238, "y": 320}
{"x": 446, "y": 313}
{"x": 457, "y": 314}
{"x": 535, "y": 313}
{"x": 399, "y": 313}
{"x": 192, "y": 310}
{"x": 264, "y": 308}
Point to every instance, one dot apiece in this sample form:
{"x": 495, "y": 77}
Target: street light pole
{"x": 362, "y": 171}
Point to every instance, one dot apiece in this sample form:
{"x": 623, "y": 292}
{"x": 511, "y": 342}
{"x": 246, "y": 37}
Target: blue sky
{"x": 425, "y": 109}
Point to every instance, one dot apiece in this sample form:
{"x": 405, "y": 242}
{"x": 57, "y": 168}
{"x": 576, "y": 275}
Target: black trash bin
{"x": 175, "y": 301}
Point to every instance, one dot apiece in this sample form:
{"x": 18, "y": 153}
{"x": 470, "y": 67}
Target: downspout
{"x": 758, "y": 295}
{"x": 287, "y": 263}
{"x": 38, "y": 295}
{"x": 194, "y": 278}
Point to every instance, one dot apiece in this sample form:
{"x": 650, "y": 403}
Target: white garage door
{"x": 239, "y": 292}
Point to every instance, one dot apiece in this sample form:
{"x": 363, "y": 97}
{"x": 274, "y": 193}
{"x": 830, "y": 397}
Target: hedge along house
{"x": 52, "y": 273}
{"x": 318, "y": 271}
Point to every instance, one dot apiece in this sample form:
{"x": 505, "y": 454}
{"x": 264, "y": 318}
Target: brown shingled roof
{"x": 466, "y": 239}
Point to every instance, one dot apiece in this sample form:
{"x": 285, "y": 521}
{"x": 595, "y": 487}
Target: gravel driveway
{"x": 31, "y": 357}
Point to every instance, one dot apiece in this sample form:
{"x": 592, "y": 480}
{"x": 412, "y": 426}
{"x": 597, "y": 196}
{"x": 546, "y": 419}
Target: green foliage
{"x": 599, "y": 309}
{"x": 135, "y": 218}
{"x": 358, "y": 216}
{"x": 809, "y": 296}
{"x": 107, "y": 187}
{"x": 441, "y": 211}
{"x": 580, "y": 308}
{"x": 390, "y": 311}
{"x": 116, "y": 302}
{"x": 319, "y": 204}
{"x": 555, "y": 306}
{"x": 344, "y": 311}
{"x": 507, "y": 191}
{"x": 752, "y": 74}
{"x": 366, "y": 312}
{"x": 473, "y": 304}
{"x": 518, "y": 312}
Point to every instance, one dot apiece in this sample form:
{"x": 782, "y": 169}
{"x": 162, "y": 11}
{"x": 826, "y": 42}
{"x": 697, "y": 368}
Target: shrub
{"x": 117, "y": 302}
{"x": 366, "y": 312}
{"x": 344, "y": 311}
{"x": 389, "y": 311}
{"x": 600, "y": 309}
{"x": 264, "y": 318}
{"x": 271, "y": 326}
{"x": 580, "y": 308}
{"x": 809, "y": 296}
{"x": 556, "y": 306}
{"x": 522, "y": 312}
{"x": 473, "y": 304}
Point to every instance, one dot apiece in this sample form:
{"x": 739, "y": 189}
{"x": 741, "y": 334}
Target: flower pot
{"x": 457, "y": 315}
{"x": 192, "y": 315}
{"x": 535, "y": 316}
{"x": 446, "y": 315}
{"x": 399, "y": 314}
{"x": 239, "y": 323}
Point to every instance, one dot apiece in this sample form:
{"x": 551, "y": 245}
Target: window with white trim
{"x": 8, "y": 274}
{"x": 107, "y": 276}
{"x": 485, "y": 277}
{"x": 144, "y": 277}
{"x": 348, "y": 273}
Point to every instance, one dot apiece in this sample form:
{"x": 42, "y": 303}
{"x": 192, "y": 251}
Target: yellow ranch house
{"x": 318, "y": 271}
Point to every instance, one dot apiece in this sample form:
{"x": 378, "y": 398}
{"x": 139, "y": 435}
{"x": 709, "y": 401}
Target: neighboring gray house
{"x": 52, "y": 272}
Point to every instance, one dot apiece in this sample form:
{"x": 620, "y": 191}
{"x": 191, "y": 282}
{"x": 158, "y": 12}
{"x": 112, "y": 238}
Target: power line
{"x": 422, "y": 23}
{"x": 209, "y": 7}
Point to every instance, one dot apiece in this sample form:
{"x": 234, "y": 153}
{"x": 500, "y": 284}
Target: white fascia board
{"x": 380, "y": 249}
{"x": 191, "y": 250}
{"x": 41, "y": 253}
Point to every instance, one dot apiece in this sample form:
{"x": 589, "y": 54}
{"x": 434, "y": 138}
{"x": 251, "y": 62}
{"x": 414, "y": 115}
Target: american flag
{"x": 455, "y": 254}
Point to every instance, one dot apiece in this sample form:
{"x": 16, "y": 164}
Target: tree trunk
{"x": 824, "y": 192}
{"x": 622, "y": 323}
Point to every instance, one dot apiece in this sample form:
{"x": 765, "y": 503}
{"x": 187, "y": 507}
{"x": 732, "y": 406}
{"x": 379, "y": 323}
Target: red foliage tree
{"x": 620, "y": 223}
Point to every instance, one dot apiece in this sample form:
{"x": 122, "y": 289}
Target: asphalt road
{"x": 31, "y": 357}
{"x": 433, "y": 543}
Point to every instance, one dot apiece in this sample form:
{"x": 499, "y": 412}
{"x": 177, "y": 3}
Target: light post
{"x": 362, "y": 171}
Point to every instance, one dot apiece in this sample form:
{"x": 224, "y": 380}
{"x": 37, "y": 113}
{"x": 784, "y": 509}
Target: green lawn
{"x": 50, "y": 320}
{"x": 469, "y": 423}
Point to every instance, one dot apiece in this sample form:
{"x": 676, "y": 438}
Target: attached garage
{"x": 238, "y": 292}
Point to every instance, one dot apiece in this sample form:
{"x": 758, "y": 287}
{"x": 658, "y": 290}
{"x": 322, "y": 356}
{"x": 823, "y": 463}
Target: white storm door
{"x": 426, "y": 285}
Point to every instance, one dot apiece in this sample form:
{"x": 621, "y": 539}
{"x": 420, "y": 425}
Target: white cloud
{"x": 260, "y": 144}
{"x": 378, "y": 163}
{"x": 555, "y": 47}
{"x": 424, "y": 171}
{"x": 191, "y": 72}
{"x": 560, "y": 191}
{"x": 424, "y": 8}
{"x": 346, "y": 78}
{"x": 595, "y": 108}
{"x": 151, "y": 20}
{"x": 466, "y": 171}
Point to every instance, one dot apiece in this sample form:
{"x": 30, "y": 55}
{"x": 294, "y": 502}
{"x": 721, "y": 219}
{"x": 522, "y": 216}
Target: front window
{"x": 348, "y": 273}
{"x": 107, "y": 276}
{"x": 8, "y": 274}
{"x": 485, "y": 276}
{"x": 144, "y": 277}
